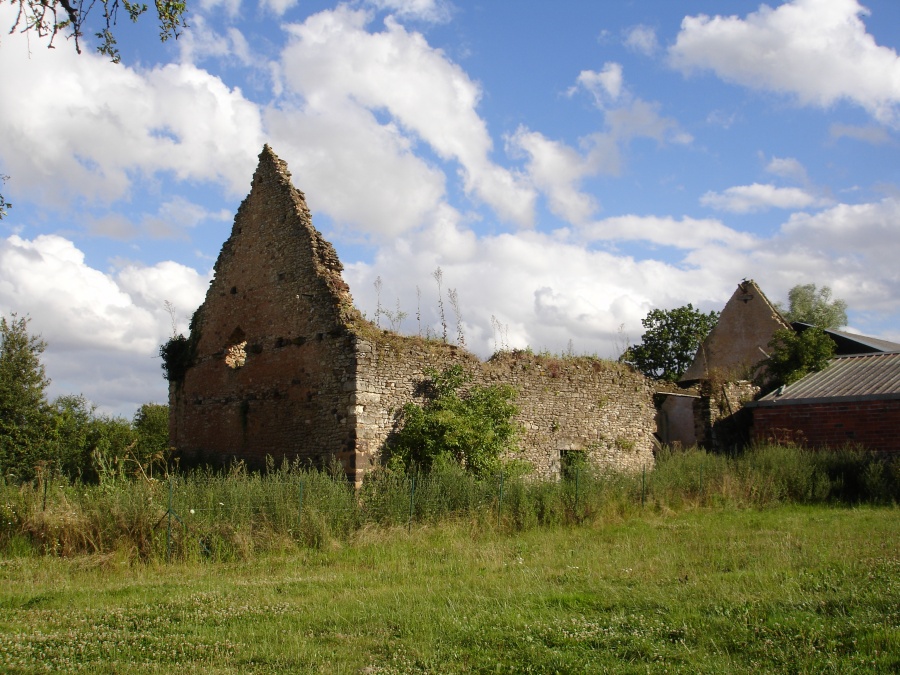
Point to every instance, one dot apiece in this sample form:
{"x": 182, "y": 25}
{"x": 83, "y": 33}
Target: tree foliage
{"x": 151, "y": 427}
{"x": 670, "y": 342}
{"x": 88, "y": 446}
{"x": 795, "y": 355}
{"x": 70, "y": 18}
{"x": 814, "y": 306}
{"x": 473, "y": 428}
{"x": 67, "y": 437}
{"x": 24, "y": 413}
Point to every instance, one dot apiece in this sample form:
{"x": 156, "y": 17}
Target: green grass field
{"x": 798, "y": 589}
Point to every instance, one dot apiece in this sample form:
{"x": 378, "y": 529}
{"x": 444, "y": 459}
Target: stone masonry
{"x": 282, "y": 365}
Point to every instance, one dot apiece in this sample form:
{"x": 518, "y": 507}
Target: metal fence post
{"x": 500, "y": 501}
{"x": 577, "y": 472}
{"x": 169, "y": 525}
{"x": 412, "y": 499}
{"x": 300, "y": 505}
{"x": 643, "y": 485}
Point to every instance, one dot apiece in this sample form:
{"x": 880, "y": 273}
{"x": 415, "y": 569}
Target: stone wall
{"x": 722, "y": 422}
{"x": 601, "y": 408}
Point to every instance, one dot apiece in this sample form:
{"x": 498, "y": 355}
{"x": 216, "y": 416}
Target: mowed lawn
{"x": 787, "y": 589}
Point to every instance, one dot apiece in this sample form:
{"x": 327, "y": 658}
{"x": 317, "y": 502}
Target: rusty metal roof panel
{"x": 873, "y": 375}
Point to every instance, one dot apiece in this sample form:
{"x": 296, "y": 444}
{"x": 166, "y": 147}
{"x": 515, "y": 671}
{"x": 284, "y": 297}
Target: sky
{"x": 567, "y": 166}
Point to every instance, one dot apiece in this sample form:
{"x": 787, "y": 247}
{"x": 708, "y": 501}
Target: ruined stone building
{"x": 279, "y": 363}
{"x": 707, "y": 410}
{"x": 716, "y": 405}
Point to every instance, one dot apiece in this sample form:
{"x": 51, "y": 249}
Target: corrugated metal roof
{"x": 874, "y": 375}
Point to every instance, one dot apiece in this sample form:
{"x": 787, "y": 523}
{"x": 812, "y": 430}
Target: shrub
{"x": 474, "y": 428}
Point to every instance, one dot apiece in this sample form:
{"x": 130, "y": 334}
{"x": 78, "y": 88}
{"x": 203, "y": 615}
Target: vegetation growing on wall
{"x": 472, "y": 427}
{"x": 176, "y": 357}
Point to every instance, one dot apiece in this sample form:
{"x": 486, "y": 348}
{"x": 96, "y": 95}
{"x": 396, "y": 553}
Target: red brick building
{"x": 855, "y": 400}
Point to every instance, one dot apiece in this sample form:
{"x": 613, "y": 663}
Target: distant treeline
{"x": 66, "y": 437}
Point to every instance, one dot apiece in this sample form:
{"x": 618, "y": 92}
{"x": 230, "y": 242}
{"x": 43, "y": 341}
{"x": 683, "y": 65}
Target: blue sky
{"x": 569, "y": 166}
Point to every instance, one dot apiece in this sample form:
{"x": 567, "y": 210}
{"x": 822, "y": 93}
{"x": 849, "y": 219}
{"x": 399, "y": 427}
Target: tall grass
{"x": 235, "y": 513}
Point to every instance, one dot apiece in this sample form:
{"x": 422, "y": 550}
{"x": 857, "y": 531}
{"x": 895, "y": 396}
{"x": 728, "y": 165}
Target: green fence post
{"x": 577, "y": 471}
{"x": 500, "y": 501}
{"x": 643, "y": 485}
{"x": 169, "y": 525}
{"x": 46, "y": 485}
{"x": 412, "y": 499}
{"x": 701, "y": 481}
{"x": 300, "y": 505}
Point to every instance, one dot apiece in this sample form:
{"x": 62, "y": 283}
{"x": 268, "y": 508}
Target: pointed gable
{"x": 739, "y": 340}
{"x": 270, "y": 343}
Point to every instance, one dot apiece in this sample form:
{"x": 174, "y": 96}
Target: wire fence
{"x": 315, "y": 507}
{"x": 223, "y": 515}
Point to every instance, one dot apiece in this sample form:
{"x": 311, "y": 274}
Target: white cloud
{"x": 867, "y": 134}
{"x": 557, "y": 171}
{"x": 230, "y": 7}
{"x": 851, "y": 230}
{"x": 686, "y": 233}
{"x": 603, "y": 86}
{"x": 545, "y": 290}
{"x": 92, "y": 320}
{"x": 759, "y": 197}
{"x": 361, "y": 173}
{"x": 81, "y": 126}
{"x": 626, "y": 115}
{"x": 817, "y": 50}
{"x": 278, "y": 7}
{"x": 433, "y": 11}
{"x": 788, "y": 167}
{"x": 642, "y": 39}
{"x": 174, "y": 217}
{"x": 333, "y": 62}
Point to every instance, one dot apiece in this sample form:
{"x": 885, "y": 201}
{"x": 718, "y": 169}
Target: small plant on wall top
{"x": 176, "y": 357}
{"x": 473, "y": 428}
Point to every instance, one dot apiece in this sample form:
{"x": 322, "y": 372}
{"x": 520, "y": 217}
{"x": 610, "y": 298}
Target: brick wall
{"x": 278, "y": 304}
{"x": 873, "y": 424}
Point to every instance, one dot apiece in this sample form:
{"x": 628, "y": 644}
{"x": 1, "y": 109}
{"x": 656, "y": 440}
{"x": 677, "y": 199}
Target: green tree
{"x": 670, "y": 342}
{"x": 87, "y": 446}
{"x": 24, "y": 413}
{"x": 71, "y": 435}
{"x": 814, "y": 306}
{"x": 70, "y": 18}
{"x": 473, "y": 428}
{"x": 795, "y": 355}
{"x": 151, "y": 425}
